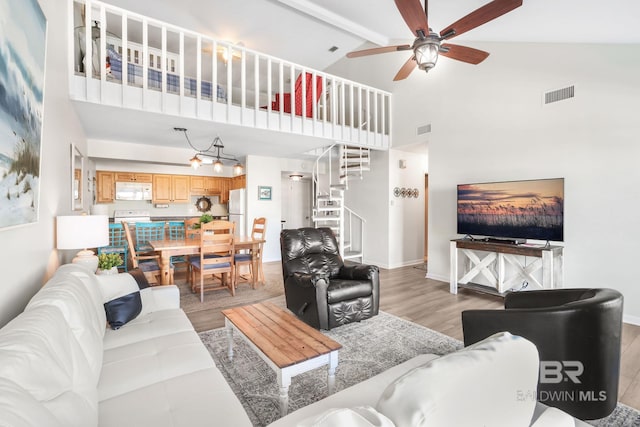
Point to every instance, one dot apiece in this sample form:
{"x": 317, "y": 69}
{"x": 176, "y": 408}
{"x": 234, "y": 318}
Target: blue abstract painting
{"x": 23, "y": 29}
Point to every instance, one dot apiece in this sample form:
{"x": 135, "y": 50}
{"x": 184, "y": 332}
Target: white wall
{"x": 265, "y": 171}
{"x": 488, "y": 124}
{"x": 27, "y": 254}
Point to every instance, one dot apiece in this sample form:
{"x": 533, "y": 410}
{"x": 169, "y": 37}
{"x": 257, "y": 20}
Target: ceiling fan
{"x": 428, "y": 44}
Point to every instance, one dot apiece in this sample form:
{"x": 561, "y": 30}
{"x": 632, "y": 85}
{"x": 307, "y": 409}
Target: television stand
{"x": 490, "y": 260}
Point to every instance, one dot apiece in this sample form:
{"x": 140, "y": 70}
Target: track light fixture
{"x": 214, "y": 153}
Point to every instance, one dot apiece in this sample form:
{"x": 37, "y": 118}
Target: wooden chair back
{"x": 216, "y": 254}
{"x": 189, "y": 225}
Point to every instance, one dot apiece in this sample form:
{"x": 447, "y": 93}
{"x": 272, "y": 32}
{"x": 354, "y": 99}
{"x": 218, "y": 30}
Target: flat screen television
{"x": 532, "y": 209}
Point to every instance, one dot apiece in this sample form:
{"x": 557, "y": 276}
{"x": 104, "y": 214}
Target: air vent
{"x": 421, "y": 130}
{"x": 559, "y": 94}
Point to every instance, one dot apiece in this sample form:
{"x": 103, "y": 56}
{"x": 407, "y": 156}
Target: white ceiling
{"x": 302, "y": 31}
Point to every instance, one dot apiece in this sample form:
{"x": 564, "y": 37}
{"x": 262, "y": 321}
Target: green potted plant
{"x": 204, "y": 218}
{"x": 108, "y": 263}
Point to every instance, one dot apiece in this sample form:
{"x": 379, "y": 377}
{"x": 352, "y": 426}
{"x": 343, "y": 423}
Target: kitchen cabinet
{"x": 105, "y": 187}
{"x": 171, "y": 189}
{"x": 207, "y": 185}
{"x": 224, "y": 190}
{"x": 133, "y": 177}
{"x": 237, "y": 182}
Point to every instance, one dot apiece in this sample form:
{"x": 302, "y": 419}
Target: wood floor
{"x": 407, "y": 294}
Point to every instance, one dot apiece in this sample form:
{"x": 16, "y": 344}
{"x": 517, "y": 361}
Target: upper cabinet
{"x": 171, "y": 189}
{"x": 133, "y": 177}
{"x": 207, "y": 185}
{"x": 105, "y": 186}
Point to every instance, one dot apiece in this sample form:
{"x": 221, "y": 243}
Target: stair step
{"x": 340, "y": 187}
{"x": 327, "y": 218}
{"x": 327, "y": 208}
{"x": 356, "y": 159}
{"x": 355, "y": 166}
{"x": 354, "y": 150}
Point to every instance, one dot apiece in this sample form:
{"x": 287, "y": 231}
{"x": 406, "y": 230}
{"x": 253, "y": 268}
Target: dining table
{"x": 167, "y": 248}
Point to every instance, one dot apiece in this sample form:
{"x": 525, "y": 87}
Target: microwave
{"x": 133, "y": 191}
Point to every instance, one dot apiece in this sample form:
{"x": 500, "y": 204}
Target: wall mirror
{"x": 77, "y": 172}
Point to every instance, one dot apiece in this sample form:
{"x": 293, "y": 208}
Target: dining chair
{"x": 258, "y": 232}
{"x": 148, "y": 264}
{"x": 189, "y": 227}
{"x": 215, "y": 258}
{"x": 176, "y": 230}
{"x": 147, "y": 231}
{"x": 117, "y": 244}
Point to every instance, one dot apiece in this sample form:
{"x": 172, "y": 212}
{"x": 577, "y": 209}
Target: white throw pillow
{"x": 491, "y": 383}
{"x": 361, "y": 416}
{"x": 121, "y": 295}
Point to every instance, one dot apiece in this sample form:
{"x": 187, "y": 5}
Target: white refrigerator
{"x": 237, "y": 211}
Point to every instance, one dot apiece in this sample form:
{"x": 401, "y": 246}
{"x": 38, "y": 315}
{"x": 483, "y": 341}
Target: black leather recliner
{"x": 567, "y": 326}
{"x": 318, "y": 287}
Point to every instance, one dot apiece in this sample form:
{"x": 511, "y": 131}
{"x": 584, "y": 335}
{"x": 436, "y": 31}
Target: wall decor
{"x": 22, "y": 55}
{"x": 264, "y": 193}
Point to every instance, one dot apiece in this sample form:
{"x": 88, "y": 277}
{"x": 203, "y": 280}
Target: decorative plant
{"x": 108, "y": 261}
{"x": 204, "y": 218}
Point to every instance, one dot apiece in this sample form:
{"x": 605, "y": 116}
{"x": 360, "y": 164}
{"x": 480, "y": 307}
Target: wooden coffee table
{"x": 288, "y": 345}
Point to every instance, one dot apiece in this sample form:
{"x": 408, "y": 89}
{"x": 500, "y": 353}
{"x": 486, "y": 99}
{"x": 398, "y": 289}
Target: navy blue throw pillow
{"x": 123, "y": 309}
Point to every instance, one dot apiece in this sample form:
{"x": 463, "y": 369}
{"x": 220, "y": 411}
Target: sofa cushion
{"x": 21, "y": 409}
{"x": 196, "y": 399}
{"x": 89, "y": 279}
{"x": 39, "y": 352}
{"x": 364, "y": 416}
{"x": 86, "y": 320}
{"x": 433, "y": 394}
{"x": 151, "y": 325}
{"x": 151, "y": 361}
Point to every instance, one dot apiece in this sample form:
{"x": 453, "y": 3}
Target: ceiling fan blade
{"x": 464, "y": 53}
{"x": 406, "y": 69}
{"x": 480, "y": 16}
{"x": 376, "y": 50}
{"x": 413, "y": 15}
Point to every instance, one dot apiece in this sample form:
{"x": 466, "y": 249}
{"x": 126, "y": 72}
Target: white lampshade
{"x": 82, "y": 232}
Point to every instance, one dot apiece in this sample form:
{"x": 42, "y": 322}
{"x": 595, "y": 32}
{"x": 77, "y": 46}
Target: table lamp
{"x": 82, "y": 232}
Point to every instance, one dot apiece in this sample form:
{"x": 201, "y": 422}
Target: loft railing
{"x": 134, "y": 61}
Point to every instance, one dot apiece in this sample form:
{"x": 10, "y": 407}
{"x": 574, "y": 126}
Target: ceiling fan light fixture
{"x": 295, "y": 177}
{"x": 426, "y": 52}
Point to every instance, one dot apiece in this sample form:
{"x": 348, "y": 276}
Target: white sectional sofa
{"x": 61, "y": 366}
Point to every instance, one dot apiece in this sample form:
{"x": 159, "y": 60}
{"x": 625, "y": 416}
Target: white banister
{"x": 160, "y": 68}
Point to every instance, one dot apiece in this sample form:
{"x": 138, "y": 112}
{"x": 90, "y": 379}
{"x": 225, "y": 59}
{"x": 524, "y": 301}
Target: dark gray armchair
{"x": 318, "y": 287}
{"x": 577, "y": 333}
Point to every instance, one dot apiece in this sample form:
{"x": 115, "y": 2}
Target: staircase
{"x": 330, "y": 210}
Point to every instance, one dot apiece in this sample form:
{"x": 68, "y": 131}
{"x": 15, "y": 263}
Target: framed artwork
{"x": 22, "y": 53}
{"x": 264, "y": 193}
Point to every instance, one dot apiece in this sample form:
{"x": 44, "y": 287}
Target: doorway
{"x": 296, "y": 202}
{"x": 426, "y": 217}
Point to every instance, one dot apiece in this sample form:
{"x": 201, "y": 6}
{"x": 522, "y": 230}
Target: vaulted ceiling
{"x": 303, "y": 31}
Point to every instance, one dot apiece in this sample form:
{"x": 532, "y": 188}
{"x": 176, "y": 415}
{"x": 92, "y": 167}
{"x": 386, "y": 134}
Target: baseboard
{"x": 437, "y": 277}
{"x": 633, "y": 320}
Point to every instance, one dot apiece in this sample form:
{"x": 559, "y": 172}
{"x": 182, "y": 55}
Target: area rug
{"x": 369, "y": 347}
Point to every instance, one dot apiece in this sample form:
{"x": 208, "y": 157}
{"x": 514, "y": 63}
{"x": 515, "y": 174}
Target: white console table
{"x": 483, "y": 255}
